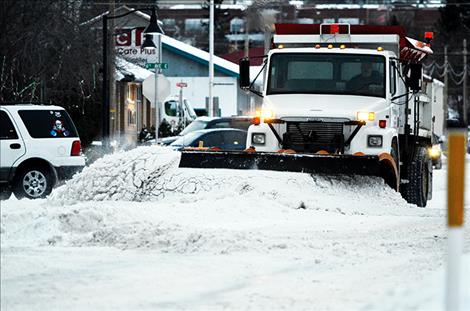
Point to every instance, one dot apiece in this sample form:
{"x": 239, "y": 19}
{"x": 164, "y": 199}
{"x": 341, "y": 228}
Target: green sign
{"x": 156, "y": 65}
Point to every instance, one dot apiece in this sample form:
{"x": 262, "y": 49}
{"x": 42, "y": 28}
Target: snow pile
{"x": 152, "y": 174}
{"x": 124, "y": 175}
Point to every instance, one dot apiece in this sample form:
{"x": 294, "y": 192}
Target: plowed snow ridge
{"x": 152, "y": 174}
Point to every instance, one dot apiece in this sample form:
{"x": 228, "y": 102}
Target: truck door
{"x": 393, "y": 85}
{"x": 11, "y": 145}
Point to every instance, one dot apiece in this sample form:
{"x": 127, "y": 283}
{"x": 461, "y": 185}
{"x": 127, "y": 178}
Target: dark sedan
{"x": 225, "y": 139}
{"x": 202, "y": 123}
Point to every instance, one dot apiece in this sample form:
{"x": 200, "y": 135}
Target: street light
{"x": 152, "y": 28}
{"x": 148, "y": 43}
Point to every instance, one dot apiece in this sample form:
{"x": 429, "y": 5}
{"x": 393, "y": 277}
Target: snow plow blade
{"x": 306, "y": 163}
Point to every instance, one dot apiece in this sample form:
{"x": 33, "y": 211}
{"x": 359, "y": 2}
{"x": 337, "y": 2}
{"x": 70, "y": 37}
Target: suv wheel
{"x": 33, "y": 183}
{"x": 5, "y": 193}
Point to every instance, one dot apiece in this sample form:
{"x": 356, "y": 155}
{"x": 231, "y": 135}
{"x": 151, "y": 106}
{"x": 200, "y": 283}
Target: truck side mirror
{"x": 244, "y": 66}
{"x": 414, "y": 77}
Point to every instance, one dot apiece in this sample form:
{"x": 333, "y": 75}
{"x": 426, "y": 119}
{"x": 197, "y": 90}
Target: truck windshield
{"x": 308, "y": 73}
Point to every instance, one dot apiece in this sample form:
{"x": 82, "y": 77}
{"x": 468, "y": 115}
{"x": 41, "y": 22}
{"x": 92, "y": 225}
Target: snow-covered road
{"x": 135, "y": 232}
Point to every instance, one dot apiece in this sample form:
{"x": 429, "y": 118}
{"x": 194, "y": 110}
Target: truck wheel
{"x": 419, "y": 177}
{"x": 33, "y": 183}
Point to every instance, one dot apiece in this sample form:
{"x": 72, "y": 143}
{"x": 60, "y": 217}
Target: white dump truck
{"x": 339, "y": 99}
{"x": 177, "y": 111}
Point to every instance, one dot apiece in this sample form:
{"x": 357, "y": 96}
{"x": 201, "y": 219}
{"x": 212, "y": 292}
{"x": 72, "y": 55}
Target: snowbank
{"x": 152, "y": 174}
{"x": 135, "y": 232}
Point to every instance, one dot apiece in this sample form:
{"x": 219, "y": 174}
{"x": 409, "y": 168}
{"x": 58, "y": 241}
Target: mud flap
{"x": 307, "y": 163}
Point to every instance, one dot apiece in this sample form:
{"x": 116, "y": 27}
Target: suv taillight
{"x": 76, "y": 148}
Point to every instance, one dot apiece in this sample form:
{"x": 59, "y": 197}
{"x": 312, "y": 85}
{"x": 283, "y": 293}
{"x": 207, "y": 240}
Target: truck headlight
{"x": 434, "y": 152}
{"x": 374, "y": 141}
{"x": 265, "y": 113}
{"x": 258, "y": 138}
{"x": 366, "y": 116}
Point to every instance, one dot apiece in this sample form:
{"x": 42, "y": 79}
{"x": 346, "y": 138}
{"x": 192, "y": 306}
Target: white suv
{"x": 39, "y": 145}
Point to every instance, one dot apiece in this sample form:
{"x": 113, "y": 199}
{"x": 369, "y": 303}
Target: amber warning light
{"x": 428, "y": 36}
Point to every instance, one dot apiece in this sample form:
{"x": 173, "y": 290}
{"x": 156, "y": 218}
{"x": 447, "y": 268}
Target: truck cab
{"x": 342, "y": 90}
{"x": 177, "y": 112}
{"x": 323, "y": 95}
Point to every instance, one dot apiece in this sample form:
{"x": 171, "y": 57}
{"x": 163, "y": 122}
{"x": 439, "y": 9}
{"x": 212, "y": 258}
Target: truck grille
{"x": 314, "y": 136}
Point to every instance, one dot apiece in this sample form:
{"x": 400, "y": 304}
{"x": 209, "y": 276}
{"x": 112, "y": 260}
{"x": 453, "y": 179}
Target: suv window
{"x": 48, "y": 123}
{"x": 7, "y": 130}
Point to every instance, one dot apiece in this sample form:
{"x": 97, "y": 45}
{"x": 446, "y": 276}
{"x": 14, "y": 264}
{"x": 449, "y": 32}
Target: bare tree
{"x": 45, "y": 55}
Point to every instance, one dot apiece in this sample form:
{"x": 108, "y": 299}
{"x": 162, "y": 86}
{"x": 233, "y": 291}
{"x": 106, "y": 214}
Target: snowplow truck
{"x": 338, "y": 99}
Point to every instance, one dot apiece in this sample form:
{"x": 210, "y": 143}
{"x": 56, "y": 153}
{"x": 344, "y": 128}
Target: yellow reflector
{"x": 201, "y": 144}
{"x": 380, "y": 49}
{"x": 330, "y": 46}
{"x": 342, "y": 46}
{"x": 280, "y": 46}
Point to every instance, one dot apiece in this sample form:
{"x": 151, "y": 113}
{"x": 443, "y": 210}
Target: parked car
{"x": 39, "y": 146}
{"x": 223, "y": 138}
{"x": 202, "y": 123}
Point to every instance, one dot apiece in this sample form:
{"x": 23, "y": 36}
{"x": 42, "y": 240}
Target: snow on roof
{"x": 125, "y": 68}
{"x": 138, "y": 13}
{"x": 200, "y": 55}
{"x": 241, "y": 37}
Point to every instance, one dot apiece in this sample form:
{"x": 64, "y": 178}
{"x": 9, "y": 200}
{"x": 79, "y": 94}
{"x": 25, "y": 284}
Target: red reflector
{"x": 334, "y": 29}
{"x": 76, "y": 148}
{"x": 383, "y": 123}
{"x": 256, "y": 120}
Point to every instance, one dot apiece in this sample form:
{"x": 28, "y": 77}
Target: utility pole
{"x": 158, "y": 60}
{"x": 446, "y": 86}
{"x": 246, "y": 48}
{"x": 465, "y": 95}
{"x": 211, "y": 58}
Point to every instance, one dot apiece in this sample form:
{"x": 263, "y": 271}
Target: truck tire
{"x": 33, "y": 183}
{"x": 416, "y": 191}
